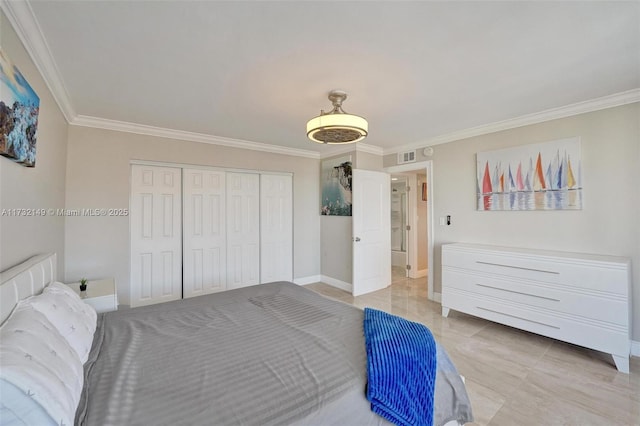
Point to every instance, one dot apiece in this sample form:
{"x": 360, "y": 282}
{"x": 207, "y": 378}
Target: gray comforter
{"x": 269, "y": 354}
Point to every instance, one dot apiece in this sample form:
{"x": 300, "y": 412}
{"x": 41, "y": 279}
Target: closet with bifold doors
{"x": 198, "y": 230}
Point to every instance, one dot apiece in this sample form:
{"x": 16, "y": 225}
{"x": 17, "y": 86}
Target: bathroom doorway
{"x": 418, "y": 238}
{"x": 399, "y": 227}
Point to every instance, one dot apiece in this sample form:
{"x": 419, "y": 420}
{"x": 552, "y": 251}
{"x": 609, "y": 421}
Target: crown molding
{"x": 358, "y": 147}
{"x": 337, "y": 151}
{"x": 610, "y": 101}
{"x": 141, "y": 129}
{"x": 21, "y": 17}
{"x": 371, "y": 149}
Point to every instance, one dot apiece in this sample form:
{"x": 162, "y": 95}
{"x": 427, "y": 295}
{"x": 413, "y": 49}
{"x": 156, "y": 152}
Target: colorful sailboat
{"x": 548, "y": 177}
{"x": 519, "y": 182}
{"x": 562, "y": 174}
{"x": 527, "y": 180}
{"x": 538, "y": 177}
{"x": 510, "y": 183}
{"x": 495, "y": 182}
{"x": 486, "y": 181}
{"x": 571, "y": 181}
{"x": 554, "y": 166}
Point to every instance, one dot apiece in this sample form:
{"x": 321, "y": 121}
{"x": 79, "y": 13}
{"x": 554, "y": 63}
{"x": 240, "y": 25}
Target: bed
{"x": 274, "y": 353}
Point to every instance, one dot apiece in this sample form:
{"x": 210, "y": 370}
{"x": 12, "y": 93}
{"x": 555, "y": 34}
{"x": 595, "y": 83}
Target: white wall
{"x": 98, "y": 175}
{"x": 337, "y": 248}
{"x": 609, "y": 222}
{"x": 39, "y": 187}
{"x": 367, "y": 161}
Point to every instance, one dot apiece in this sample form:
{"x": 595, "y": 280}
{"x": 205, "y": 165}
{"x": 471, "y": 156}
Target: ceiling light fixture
{"x": 336, "y": 126}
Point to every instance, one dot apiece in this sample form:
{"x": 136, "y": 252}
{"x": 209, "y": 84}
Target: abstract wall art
{"x": 19, "y": 108}
{"x": 542, "y": 176}
{"x": 336, "y": 187}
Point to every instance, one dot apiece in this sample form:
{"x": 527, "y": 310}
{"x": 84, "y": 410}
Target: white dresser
{"x": 582, "y": 299}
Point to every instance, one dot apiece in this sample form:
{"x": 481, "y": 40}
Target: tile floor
{"x": 514, "y": 377}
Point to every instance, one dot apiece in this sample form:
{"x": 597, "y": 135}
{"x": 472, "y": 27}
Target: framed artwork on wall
{"x": 542, "y": 176}
{"x": 424, "y": 191}
{"x": 19, "y": 109}
{"x": 335, "y": 179}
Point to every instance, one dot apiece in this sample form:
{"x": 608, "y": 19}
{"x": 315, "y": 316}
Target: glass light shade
{"x": 337, "y": 128}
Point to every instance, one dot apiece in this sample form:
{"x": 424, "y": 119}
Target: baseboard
{"x": 337, "y": 283}
{"x": 308, "y": 280}
{"x": 419, "y": 274}
{"x": 437, "y": 297}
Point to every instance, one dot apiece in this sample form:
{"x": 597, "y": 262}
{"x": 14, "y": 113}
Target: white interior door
{"x": 371, "y": 231}
{"x": 276, "y": 228}
{"x": 156, "y": 241}
{"x": 204, "y": 232}
{"x": 243, "y": 229}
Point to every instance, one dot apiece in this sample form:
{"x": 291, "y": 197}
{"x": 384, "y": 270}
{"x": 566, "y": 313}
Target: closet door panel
{"x": 156, "y": 252}
{"x": 276, "y": 228}
{"x": 204, "y": 232}
{"x": 243, "y": 232}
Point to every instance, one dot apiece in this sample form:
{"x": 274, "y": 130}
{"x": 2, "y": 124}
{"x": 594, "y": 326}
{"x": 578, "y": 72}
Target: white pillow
{"x": 19, "y": 409}
{"x": 63, "y": 288}
{"x": 74, "y": 319}
{"x": 38, "y": 360}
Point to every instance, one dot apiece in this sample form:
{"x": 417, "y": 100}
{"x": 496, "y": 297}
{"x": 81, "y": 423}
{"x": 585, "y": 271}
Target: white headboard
{"x": 24, "y": 280}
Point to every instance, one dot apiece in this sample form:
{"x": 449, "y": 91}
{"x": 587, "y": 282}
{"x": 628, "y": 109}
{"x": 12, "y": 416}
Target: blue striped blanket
{"x": 401, "y": 368}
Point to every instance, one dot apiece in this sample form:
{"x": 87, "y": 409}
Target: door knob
{"x": 356, "y": 239}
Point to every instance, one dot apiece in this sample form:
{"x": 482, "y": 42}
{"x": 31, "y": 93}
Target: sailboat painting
{"x": 542, "y": 176}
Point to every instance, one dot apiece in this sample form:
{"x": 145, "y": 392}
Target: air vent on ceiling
{"x": 407, "y": 157}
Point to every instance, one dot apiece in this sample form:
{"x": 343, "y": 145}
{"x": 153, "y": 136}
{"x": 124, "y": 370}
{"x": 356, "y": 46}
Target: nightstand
{"x": 101, "y": 294}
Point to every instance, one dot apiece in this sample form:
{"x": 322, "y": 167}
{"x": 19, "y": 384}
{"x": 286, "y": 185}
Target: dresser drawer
{"x": 609, "y": 308}
{"x": 591, "y": 275}
{"x": 577, "y": 330}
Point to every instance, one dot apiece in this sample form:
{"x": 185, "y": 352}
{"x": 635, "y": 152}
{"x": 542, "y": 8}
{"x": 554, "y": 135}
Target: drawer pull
{"x": 518, "y": 292}
{"x": 518, "y": 267}
{"x": 517, "y": 317}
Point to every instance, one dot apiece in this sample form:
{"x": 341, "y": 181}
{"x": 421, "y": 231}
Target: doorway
{"x": 419, "y": 209}
{"x": 399, "y": 227}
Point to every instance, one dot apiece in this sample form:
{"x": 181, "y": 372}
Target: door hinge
{"x": 408, "y": 227}
{"x": 408, "y": 188}
{"x": 408, "y": 267}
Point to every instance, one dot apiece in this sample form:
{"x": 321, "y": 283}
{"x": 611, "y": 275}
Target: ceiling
{"x": 257, "y": 71}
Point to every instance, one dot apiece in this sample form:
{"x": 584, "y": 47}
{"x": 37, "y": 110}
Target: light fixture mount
{"x": 337, "y": 126}
{"x": 337, "y": 97}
